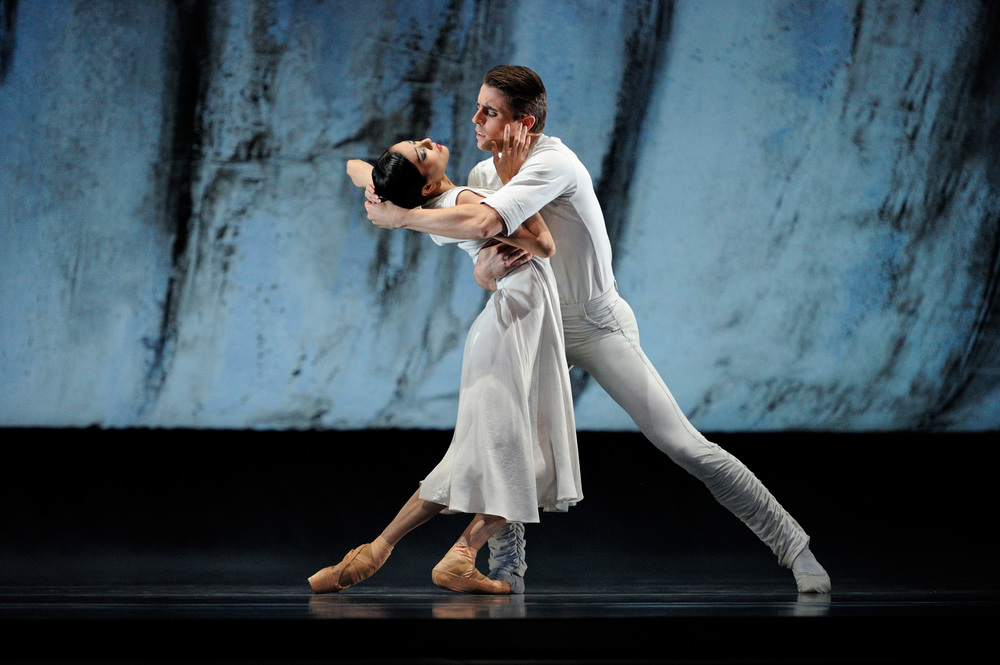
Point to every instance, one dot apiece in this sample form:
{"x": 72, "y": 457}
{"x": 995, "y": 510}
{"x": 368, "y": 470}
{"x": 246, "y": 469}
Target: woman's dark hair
{"x": 397, "y": 179}
{"x": 523, "y": 91}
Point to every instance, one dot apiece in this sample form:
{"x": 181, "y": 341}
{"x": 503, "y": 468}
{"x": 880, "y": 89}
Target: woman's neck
{"x": 443, "y": 185}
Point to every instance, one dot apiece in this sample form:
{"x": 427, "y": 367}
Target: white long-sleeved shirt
{"x": 556, "y": 183}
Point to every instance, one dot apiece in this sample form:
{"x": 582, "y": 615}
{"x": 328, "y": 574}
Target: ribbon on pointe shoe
{"x": 359, "y": 564}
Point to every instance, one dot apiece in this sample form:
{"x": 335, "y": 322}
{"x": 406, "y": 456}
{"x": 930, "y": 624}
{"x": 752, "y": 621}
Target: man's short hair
{"x": 523, "y": 91}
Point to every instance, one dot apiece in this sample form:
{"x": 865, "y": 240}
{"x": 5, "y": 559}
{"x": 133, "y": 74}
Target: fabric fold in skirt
{"x": 514, "y": 450}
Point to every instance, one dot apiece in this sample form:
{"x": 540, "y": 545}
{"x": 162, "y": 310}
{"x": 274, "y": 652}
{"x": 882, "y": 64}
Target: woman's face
{"x": 430, "y": 158}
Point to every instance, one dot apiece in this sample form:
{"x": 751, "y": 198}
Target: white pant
{"x": 602, "y": 338}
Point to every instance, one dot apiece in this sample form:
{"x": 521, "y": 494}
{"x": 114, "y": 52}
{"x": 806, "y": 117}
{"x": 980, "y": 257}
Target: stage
{"x": 165, "y": 546}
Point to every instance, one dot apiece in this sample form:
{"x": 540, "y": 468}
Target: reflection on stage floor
{"x": 235, "y": 612}
{"x": 201, "y": 553}
{"x": 642, "y": 598}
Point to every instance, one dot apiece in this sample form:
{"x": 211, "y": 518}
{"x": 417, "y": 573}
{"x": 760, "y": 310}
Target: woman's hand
{"x": 509, "y": 158}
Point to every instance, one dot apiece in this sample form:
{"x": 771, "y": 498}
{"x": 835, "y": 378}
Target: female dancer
{"x": 514, "y": 449}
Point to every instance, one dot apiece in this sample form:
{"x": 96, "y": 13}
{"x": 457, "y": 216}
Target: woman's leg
{"x": 480, "y": 530}
{"x": 457, "y": 570}
{"x": 414, "y": 512}
{"x": 362, "y": 562}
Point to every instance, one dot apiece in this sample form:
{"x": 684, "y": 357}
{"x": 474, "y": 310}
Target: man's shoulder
{"x": 483, "y": 165}
{"x": 551, "y": 144}
{"x": 483, "y": 174}
{"x": 548, "y": 155}
{"x": 551, "y": 155}
{"x": 553, "y": 150}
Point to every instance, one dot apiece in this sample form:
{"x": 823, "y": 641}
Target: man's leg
{"x": 605, "y": 342}
{"x": 507, "y": 562}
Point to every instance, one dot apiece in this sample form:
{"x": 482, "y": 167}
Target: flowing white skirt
{"x": 514, "y": 449}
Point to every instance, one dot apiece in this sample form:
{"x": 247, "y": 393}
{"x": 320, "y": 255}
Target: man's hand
{"x": 509, "y": 158}
{"x": 495, "y": 261}
{"x": 386, "y": 215}
{"x": 383, "y": 214}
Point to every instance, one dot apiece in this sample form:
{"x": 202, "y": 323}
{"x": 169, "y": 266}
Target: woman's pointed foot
{"x": 359, "y": 564}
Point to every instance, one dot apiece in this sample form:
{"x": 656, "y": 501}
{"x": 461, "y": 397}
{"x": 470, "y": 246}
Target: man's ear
{"x": 528, "y": 121}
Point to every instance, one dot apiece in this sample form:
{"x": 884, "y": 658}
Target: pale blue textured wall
{"x": 802, "y": 196}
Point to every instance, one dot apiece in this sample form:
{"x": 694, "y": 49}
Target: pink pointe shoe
{"x": 457, "y": 572}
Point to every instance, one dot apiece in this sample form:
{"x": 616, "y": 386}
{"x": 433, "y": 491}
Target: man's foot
{"x": 457, "y": 572}
{"x": 810, "y": 576}
{"x": 359, "y": 564}
{"x": 514, "y": 581}
{"x": 507, "y": 563}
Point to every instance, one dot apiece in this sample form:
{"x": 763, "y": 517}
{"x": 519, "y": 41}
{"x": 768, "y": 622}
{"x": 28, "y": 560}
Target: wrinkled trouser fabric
{"x": 602, "y": 338}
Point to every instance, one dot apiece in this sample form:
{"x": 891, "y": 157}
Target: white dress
{"x": 514, "y": 449}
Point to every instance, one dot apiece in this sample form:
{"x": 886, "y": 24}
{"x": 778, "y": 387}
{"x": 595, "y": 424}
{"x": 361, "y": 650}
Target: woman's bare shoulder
{"x": 469, "y": 196}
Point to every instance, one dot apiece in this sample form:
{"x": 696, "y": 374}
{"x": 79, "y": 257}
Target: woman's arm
{"x": 360, "y": 172}
{"x": 532, "y": 236}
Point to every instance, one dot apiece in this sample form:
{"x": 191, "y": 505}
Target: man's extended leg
{"x": 602, "y": 337}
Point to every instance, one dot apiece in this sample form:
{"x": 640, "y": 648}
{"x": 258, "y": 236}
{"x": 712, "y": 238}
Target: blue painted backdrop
{"x": 802, "y": 196}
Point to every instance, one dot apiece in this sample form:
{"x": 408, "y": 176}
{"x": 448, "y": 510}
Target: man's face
{"x": 492, "y": 116}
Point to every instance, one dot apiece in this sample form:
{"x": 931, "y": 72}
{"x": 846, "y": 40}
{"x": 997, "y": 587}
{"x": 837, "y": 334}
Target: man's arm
{"x": 532, "y": 236}
{"x": 470, "y": 221}
{"x": 462, "y": 221}
{"x": 495, "y": 261}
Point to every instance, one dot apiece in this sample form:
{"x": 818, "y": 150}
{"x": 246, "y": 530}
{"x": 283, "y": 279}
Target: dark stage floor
{"x": 247, "y": 616}
{"x": 194, "y": 547}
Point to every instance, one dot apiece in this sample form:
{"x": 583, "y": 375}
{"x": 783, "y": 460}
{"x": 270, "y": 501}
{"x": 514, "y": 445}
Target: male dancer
{"x": 601, "y": 333}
